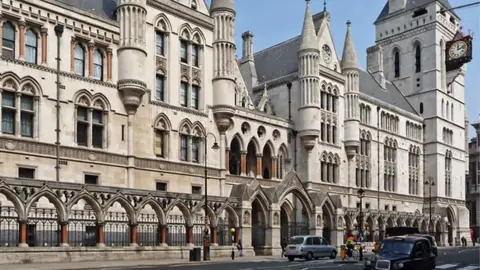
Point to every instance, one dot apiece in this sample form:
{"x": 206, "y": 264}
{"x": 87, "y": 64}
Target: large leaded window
{"x": 91, "y": 122}
{"x": 31, "y": 44}
{"x": 18, "y": 110}
{"x": 8, "y": 40}
{"x": 413, "y": 170}
{"x": 390, "y": 165}
{"x": 362, "y": 176}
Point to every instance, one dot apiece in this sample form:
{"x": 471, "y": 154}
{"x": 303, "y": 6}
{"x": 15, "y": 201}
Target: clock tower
{"x": 424, "y": 57}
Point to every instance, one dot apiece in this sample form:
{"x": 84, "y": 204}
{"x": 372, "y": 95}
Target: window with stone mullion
{"x": 27, "y": 115}
{"x": 82, "y": 126}
{"x": 183, "y": 147}
{"x": 97, "y": 128}
{"x": 8, "y": 112}
{"x": 196, "y": 146}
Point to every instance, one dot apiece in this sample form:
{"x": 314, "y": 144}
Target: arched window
{"x": 31, "y": 44}
{"x": 8, "y": 40}
{"x": 421, "y": 107}
{"x": 160, "y": 43}
{"x": 79, "y": 60}
{"x": 97, "y": 65}
{"x": 26, "y": 108}
{"x": 244, "y": 102}
{"x": 396, "y": 56}
{"x": 91, "y": 123}
{"x": 418, "y": 58}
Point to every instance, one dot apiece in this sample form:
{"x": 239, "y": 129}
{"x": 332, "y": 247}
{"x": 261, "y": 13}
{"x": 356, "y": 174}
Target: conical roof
{"x": 222, "y": 5}
{"x": 349, "y": 58}
{"x": 309, "y": 38}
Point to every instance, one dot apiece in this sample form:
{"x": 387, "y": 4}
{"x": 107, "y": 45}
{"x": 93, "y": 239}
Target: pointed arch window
{"x": 396, "y": 62}
{"x": 195, "y": 55}
{"x": 23, "y": 105}
{"x": 31, "y": 44}
{"x": 183, "y": 147}
{"x": 418, "y": 58}
{"x": 184, "y": 51}
{"x": 8, "y": 40}
{"x": 183, "y": 94}
{"x": 421, "y": 107}
{"x": 79, "y": 60}
{"x": 244, "y": 102}
{"x": 162, "y": 131}
{"x": 91, "y": 122}
{"x": 98, "y": 65}
{"x": 160, "y": 87}
{"x": 160, "y": 43}
{"x": 195, "y": 96}
{"x": 448, "y": 173}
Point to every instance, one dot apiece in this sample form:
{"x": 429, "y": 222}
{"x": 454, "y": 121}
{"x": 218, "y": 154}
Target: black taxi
{"x": 403, "y": 252}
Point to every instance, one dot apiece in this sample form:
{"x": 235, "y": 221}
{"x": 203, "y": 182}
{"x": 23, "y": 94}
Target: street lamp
{"x": 206, "y": 244}
{"x": 360, "y": 195}
{"x": 430, "y": 184}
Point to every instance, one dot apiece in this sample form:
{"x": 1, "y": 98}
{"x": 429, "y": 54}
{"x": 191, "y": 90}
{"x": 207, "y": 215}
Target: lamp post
{"x": 361, "y": 193}
{"x": 430, "y": 184}
{"x": 206, "y": 241}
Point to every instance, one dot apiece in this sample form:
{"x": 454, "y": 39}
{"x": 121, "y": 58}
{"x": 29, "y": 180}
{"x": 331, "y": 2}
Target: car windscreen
{"x": 296, "y": 240}
{"x": 396, "y": 247}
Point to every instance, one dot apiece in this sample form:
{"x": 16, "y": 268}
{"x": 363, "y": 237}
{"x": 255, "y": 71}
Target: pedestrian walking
{"x": 240, "y": 247}
{"x": 284, "y": 245}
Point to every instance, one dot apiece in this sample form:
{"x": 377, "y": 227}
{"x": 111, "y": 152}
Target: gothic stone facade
{"x": 146, "y": 87}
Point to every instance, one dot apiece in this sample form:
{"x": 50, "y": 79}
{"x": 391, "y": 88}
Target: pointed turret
{"x": 223, "y": 14}
{"x": 309, "y": 39}
{"x": 349, "y": 57}
{"x": 219, "y": 5}
{"x": 309, "y": 84}
{"x": 352, "y": 116}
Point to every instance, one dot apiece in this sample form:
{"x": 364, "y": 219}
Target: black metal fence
{"x": 224, "y": 235}
{"x": 8, "y": 227}
{"x": 82, "y": 228}
{"x": 297, "y": 228}
{"x": 176, "y": 231}
{"x": 258, "y": 235}
{"x": 198, "y": 230}
{"x": 43, "y": 228}
{"x": 117, "y": 229}
{"x": 148, "y": 230}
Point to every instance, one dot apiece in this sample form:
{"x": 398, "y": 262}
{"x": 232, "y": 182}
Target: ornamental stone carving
{"x": 246, "y": 218}
{"x": 276, "y": 219}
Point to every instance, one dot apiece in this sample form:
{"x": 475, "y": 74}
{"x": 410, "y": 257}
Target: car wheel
{"x": 291, "y": 258}
{"x": 309, "y": 256}
{"x": 333, "y": 255}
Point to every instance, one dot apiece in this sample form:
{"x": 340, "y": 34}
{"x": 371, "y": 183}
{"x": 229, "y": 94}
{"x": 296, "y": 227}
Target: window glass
{"x": 8, "y": 40}
{"x": 31, "y": 47}
{"x": 26, "y": 124}
{"x": 316, "y": 241}
{"x": 183, "y": 94}
{"x": 26, "y": 103}
{"x": 97, "y": 65}
{"x": 8, "y": 99}
{"x": 183, "y": 147}
{"x": 195, "y": 92}
{"x": 309, "y": 241}
{"x": 160, "y": 39}
{"x": 79, "y": 59}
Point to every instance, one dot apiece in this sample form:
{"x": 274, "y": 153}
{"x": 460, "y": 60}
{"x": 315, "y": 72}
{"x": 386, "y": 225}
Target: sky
{"x": 274, "y": 21}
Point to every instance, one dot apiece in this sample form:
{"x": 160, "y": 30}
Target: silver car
{"x": 309, "y": 247}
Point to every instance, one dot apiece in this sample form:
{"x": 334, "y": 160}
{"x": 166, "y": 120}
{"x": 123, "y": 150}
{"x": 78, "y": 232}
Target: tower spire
{"x": 309, "y": 38}
{"x": 349, "y": 57}
{"x": 324, "y": 5}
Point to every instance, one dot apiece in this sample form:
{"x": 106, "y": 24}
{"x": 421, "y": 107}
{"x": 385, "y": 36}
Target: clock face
{"x": 458, "y": 49}
{"x": 326, "y": 53}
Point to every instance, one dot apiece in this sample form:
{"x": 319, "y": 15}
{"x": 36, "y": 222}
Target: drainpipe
{"x": 289, "y": 85}
{"x": 58, "y": 32}
{"x": 378, "y": 158}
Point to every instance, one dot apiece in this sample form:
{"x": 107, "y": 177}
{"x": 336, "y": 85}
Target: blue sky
{"x": 274, "y": 21}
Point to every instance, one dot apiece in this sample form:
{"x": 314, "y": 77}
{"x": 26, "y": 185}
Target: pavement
{"x": 454, "y": 258}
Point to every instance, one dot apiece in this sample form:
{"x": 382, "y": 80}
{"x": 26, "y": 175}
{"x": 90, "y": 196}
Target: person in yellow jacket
{"x": 350, "y": 245}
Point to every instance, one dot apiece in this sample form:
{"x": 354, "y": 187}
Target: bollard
{"x": 233, "y": 253}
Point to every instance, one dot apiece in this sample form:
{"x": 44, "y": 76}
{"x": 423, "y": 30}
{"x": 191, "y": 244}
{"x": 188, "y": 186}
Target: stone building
{"x": 146, "y": 87}
{"x": 473, "y": 182}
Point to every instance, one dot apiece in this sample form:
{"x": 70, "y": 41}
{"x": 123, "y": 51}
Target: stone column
{"x": 273, "y": 234}
{"x": 109, "y": 64}
{"x": 72, "y": 55}
{"x": 100, "y": 235}
{"x": 190, "y": 235}
{"x": 243, "y": 163}
{"x": 245, "y": 231}
{"x": 91, "y": 46}
{"x": 316, "y": 222}
{"x": 133, "y": 235}
{"x": 213, "y": 232}
{"x": 227, "y": 159}
{"x": 22, "y": 237}
{"x": 21, "y": 34}
{"x": 131, "y": 158}
{"x": 44, "y": 32}
{"x": 259, "y": 166}
{"x": 1, "y": 26}
{"x": 163, "y": 235}
{"x": 64, "y": 234}
{"x": 274, "y": 167}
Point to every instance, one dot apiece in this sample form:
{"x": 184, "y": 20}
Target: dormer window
{"x": 194, "y": 5}
{"x": 419, "y": 12}
{"x": 452, "y": 19}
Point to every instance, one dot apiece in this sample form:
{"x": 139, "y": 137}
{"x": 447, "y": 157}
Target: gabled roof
{"x": 412, "y": 5}
{"x": 104, "y": 8}
{"x": 281, "y": 60}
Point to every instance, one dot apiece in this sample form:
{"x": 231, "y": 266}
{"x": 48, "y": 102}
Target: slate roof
{"x": 281, "y": 60}
{"x": 104, "y": 8}
{"x": 414, "y": 4}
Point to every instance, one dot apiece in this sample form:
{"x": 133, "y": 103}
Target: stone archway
{"x": 450, "y": 225}
{"x": 294, "y": 217}
{"x": 438, "y": 232}
{"x": 235, "y": 156}
{"x": 259, "y": 224}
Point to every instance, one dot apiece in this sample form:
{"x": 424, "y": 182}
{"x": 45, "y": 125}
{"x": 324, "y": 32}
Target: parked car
{"x": 309, "y": 247}
{"x": 403, "y": 252}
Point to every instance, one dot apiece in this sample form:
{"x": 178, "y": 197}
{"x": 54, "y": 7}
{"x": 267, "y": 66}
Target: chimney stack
{"x": 375, "y": 64}
{"x": 247, "y": 45}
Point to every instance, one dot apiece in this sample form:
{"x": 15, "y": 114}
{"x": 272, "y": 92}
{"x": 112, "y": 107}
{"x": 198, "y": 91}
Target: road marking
{"x": 305, "y": 268}
{"x": 468, "y": 249}
{"x": 446, "y": 266}
{"x": 470, "y": 267}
